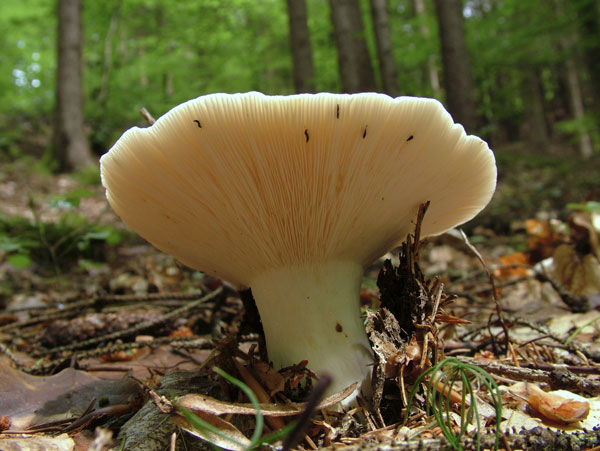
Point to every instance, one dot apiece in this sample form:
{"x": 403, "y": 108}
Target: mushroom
{"x": 293, "y": 196}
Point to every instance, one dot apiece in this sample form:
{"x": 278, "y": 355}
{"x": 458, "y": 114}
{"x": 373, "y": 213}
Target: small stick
{"x": 296, "y": 434}
{"x": 133, "y": 330}
{"x": 146, "y": 115}
{"x": 493, "y": 284}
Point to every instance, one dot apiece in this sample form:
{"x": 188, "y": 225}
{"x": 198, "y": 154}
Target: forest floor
{"x": 100, "y": 333}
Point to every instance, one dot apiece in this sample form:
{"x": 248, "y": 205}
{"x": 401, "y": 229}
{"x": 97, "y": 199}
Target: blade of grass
{"x": 252, "y": 397}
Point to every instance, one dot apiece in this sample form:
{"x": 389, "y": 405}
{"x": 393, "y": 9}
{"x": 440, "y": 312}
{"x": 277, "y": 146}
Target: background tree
{"x": 458, "y": 80}
{"x": 572, "y": 68}
{"x": 588, "y": 14}
{"x": 431, "y": 69}
{"x": 354, "y": 61}
{"x": 300, "y": 44}
{"x": 70, "y": 145}
{"x": 385, "y": 53}
{"x": 156, "y": 53}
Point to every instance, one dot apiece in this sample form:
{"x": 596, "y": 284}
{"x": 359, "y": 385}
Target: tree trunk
{"x": 107, "y": 62}
{"x": 356, "y": 70}
{"x": 432, "y": 72}
{"x": 70, "y": 144}
{"x": 589, "y": 18}
{"x": 385, "y": 53}
{"x": 571, "y": 69}
{"x": 458, "y": 81}
{"x": 300, "y": 42}
{"x": 586, "y": 148}
{"x": 538, "y": 132}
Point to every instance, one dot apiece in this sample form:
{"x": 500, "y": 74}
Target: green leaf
{"x": 19, "y": 261}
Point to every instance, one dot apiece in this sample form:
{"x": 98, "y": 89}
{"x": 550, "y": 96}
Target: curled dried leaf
{"x": 552, "y": 406}
{"x": 202, "y": 403}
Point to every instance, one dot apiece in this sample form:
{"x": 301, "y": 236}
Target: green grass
{"x": 452, "y": 373}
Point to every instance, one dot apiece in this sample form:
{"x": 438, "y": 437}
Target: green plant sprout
{"x": 577, "y": 331}
{"x": 590, "y": 206}
{"x": 256, "y": 440}
{"x": 450, "y": 371}
{"x": 59, "y": 242}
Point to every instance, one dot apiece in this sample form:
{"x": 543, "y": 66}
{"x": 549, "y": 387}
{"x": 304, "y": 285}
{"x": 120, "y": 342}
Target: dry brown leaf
{"x": 259, "y": 391}
{"x": 449, "y": 319}
{"x": 542, "y": 239}
{"x": 513, "y": 266}
{"x": 183, "y": 331}
{"x": 270, "y": 378}
{"x": 202, "y": 403}
{"x": 579, "y": 275}
{"x": 5, "y": 423}
{"x": 120, "y": 356}
{"x": 60, "y": 443}
{"x": 582, "y": 228}
{"x": 442, "y": 389}
{"x": 28, "y": 400}
{"x": 552, "y": 406}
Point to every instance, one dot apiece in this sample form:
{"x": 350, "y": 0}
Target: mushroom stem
{"x": 312, "y": 313}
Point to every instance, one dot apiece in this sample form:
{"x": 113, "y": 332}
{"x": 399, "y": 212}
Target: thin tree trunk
{"x": 356, "y": 70}
{"x": 586, "y": 149}
{"x": 107, "y": 63}
{"x": 144, "y": 81}
{"x": 538, "y": 133}
{"x": 458, "y": 80}
{"x": 574, "y": 90}
{"x": 589, "y": 18}
{"x": 385, "y": 53}
{"x": 301, "y": 51}
{"x": 432, "y": 72}
{"x": 70, "y": 145}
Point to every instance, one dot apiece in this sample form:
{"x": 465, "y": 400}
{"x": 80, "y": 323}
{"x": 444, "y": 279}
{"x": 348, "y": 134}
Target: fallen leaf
{"x": 5, "y": 423}
{"x": 579, "y": 275}
{"x": 60, "y": 443}
{"x": 270, "y": 378}
{"x": 27, "y": 400}
{"x": 183, "y": 331}
{"x": 552, "y": 406}
{"x": 562, "y": 325}
{"x": 542, "y": 239}
{"x": 449, "y": 319}
{"x": 120, "y": 356}
{"x": 514, "y": 265}
{"x": 202, "y": 403}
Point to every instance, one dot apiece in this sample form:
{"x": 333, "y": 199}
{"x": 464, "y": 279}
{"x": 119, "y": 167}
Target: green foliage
{"x": 157, "y": 54}
{"x": 89, "y": 176}
{"x": 577, "y": 127}
{"x": 590, "y": 206}
{"x": 56, "y": 244}
{"x": 27, "y": 59}
{"x": 452, "y": 373}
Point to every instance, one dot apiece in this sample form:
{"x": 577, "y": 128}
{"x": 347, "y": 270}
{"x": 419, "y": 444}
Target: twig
{"x": 116, "y": 411}
{"x": 297, "y": 434}
{"x": 146, "y": 115}
{"x": 571, "y": 368}
{"x": 493, "y": 284}
{"x": 572, "y": 347}
{"x": 74, "y": 308}
{"x": 557, "y": 378}
{"x": 142, "y": 326}
{"x": 6, "y": 351}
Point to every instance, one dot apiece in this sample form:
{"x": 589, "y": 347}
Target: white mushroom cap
{"x": 238, "y": 184}
{"x": 293, "y": 197}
